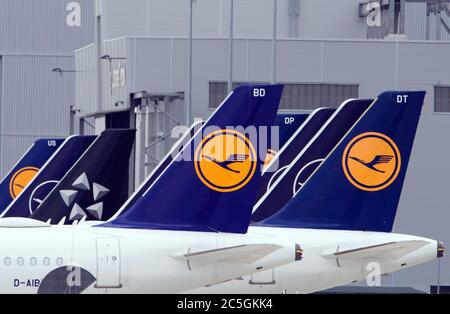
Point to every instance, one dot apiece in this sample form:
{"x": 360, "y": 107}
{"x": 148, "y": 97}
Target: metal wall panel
{"x": 86, "y": 80}
{"x": 115, "y": 97}
{"x": 35, "y": 97}
{"x": 415, "y": 22}
{"x": 37, "y": 27}
{"x": 252, "y": 18}
{"x": 35, "y": 38}
{"x": 12, "y": 148}
{"x": 35, "y": 102}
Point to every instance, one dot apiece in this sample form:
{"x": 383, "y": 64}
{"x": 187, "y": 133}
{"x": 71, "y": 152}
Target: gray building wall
{"x": 415, "y": 22}
{"x": 252, "y": 18}
{"x": 34, "y": 102}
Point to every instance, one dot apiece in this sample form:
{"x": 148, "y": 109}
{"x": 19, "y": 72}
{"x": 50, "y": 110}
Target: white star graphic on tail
{"x": 82, "y": 182}
{"x": 98, "y": 191}
{"x": 77, "y": 212}
{"x": 68, "y": 196}
{"x": 96, "y": 210}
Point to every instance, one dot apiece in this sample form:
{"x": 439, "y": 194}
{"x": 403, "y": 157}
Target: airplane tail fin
{"x": 358, "y": 186}
{"x": 48, "y": 176}
{"x": 298, "y": 140}
{"x": 288, "y": 124}
{"x": 211, "y": 184}
{"x": 25, "y": 169}
{"x": 305, "y": 159}
{"x": 97, "y": 184}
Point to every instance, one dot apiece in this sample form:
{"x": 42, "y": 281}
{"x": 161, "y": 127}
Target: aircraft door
{"x": 266, "y": 277}
{"x": 108, "y": 263}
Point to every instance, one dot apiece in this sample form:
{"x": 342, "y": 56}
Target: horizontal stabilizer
{"x": 245, "y": 254}
{"x": 390, "y": 250}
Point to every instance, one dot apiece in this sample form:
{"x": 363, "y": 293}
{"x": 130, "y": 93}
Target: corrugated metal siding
{"x": 12, "y": 148}
{"x": 114, "y": 98}
{"x": 86, "y": 80}
{"x": 252, "y": 18}
{"x": 159, "y": 65}
{"x": 35, "y": 97}
{"x": 32, "y": 27}
{"x": 35, "y": 102}
{"x": 415, "y": 22}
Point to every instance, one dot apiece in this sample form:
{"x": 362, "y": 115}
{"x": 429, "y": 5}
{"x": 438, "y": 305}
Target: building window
{"x": 303, "y": 96}
{"x": 442, "y": 99}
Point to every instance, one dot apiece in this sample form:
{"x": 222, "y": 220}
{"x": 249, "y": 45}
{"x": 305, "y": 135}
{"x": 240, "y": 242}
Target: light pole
{"x": 274, "y": 44}
{"x": 189, "y": 88}
{"x": 230, "y": 73}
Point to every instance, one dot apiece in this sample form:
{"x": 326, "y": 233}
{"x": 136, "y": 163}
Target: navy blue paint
{"x": 36, "y": 157}
{"x": 56, "y": 168}
{"x": 178, "y": 200}
{"x": 336, "y": 127}
{"x": 288, "y": 124}
{"x": 105, "y": 162}
{"x": 284, "y": 158}
{"x": 329, "y": 201}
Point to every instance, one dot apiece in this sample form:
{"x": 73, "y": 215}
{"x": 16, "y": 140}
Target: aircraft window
{"x": 441, "y": 99}
{"x": 33, "y": 261}
{"x": 7, "y": 261}
{"x": 46, "y": 261}
{"x": 20, "y": 261}
{"x": 59, "y": 261}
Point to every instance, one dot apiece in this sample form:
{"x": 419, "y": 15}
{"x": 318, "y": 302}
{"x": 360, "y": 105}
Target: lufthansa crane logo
{"x": 371, "y": 161}
{"x": 20, "y": 180}
{"x": 225, "y": 160}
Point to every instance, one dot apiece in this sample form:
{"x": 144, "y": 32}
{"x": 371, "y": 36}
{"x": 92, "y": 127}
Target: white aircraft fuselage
{"x": 120, "y": 260}
{"x": 41, "y": 258}
{"x": 321, "y": 269}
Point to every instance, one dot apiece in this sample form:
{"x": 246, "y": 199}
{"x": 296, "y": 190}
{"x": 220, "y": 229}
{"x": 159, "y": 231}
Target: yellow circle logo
{"x": 225, "y": 160}
{"x": 371, "y": 161}
{"x": 20, "y": 180}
